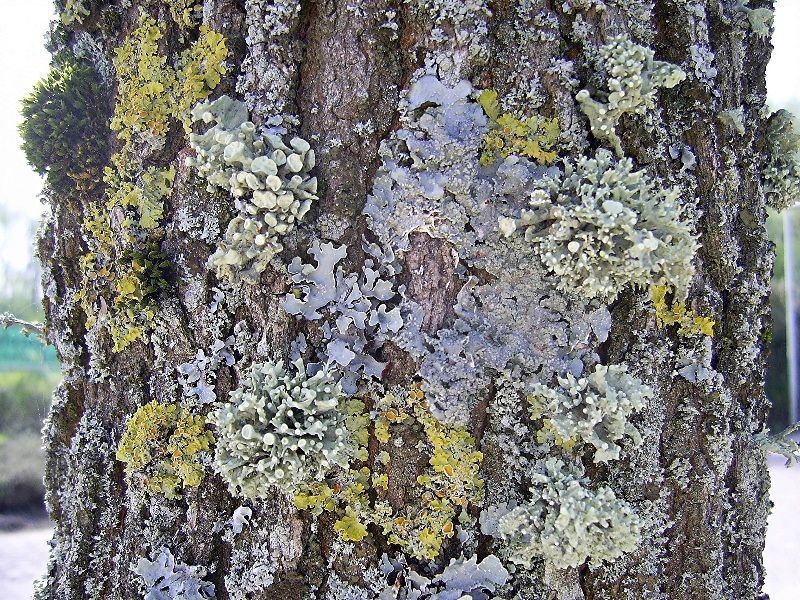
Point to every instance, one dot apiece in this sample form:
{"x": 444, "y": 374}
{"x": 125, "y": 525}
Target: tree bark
{"x": 698, "y": 480}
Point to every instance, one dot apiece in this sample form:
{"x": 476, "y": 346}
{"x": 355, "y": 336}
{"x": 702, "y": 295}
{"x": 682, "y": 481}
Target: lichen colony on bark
{"x": 408, "y": 299}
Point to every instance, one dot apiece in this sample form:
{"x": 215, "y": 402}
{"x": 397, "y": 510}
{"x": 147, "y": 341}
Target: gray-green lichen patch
{"x": 280, "y": 429}
{"x": 431, "y": 181}
{"x": 564, "y": 521}
{"x": 594, "y": 408}
{"x": 601, "y": 227}
{"x": 633, "y": 80}
{"x": 463, "y": 577}
{"x": 358, "y": 311}
{"x": 268, "y": 176}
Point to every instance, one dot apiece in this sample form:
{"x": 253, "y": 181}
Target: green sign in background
{"x": 21, "y": 353}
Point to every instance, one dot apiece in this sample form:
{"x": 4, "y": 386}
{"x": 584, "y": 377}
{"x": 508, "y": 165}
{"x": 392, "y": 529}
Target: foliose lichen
{"x": 689, "y": 323}
{"x": 601, "y": 226}
{"x": 194, "y": 376}
{"x": 358, "y": 310}
{"x": 74, "y": 12}
{"x": 532, "y": 137}
{"x": 167, "y": 579}
{"x": 446, "y": 489}
{"x": 782, "y": 171}
{"x": 269, "y": 176}
{"x": 594, "y": 409}
{"x": 461, "y": 578}
{"x": 564, "y": 522}
{"x": 633, "y": 80}
{"x": 162, "y": 447}
{"x": 280, "y": 429}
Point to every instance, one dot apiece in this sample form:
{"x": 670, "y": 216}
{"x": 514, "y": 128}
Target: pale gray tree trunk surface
{"x": 697, "y": 481}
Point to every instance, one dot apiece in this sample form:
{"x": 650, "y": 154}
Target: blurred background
{"x": 29, "y": 371}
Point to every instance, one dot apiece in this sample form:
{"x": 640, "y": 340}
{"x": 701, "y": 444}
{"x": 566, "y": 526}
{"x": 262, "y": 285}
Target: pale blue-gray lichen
{"x": 782, "y": 171}
{"x": 564, "y": 522}
{"x": 594, "y": 408}
{"x": 279, "y": 429}
{"x": 462, "y": 578}
{"x": 634, "y": 77}
{"x": 267, "y": 173}
{"x": 167, "y": 579}
{"x": 601, "y": 227}
{"x": 431, "y": 181}
{"x": 358, "y": 310}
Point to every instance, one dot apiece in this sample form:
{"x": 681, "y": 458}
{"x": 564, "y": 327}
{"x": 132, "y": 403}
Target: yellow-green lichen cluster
{"x": 444, "y": 490}
{"x": 161, "y": 448}
{"x": 689, "y": 323}
{"x": 74, "y": 12}
{"x": 532, "y": 137}
{"x": 119, "y": 283}
{"x": 183, "y": 12}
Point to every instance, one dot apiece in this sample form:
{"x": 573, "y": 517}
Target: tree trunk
{"x": 486, "y": 324}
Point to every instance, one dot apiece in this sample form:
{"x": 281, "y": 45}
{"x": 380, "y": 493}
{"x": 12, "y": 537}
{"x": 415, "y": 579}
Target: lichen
{"x": 689, "y": 323}
{"x": 359, "y": 311}
{"x": 633, "y": 79}
{"x": 782, "y": 170}
{"x": 118, "y": 286}
{"x": 269, "y": 175}
{"x": 194, "y": 376}
{"x": 601, "y": 226}
{"x": 564, "y": 522}
{"x": 780, "y": 443}
{"x": 533, "y": 137}
{"x": 461, "y": 578}
{"x": 63, "y": 130}
{"x": 733, "y": 119}
{"x": 162, "y": 447}
{"x": 167, "y": 579}
{"x": 74, "y": 12}
{"x": 449, "y": 485}
{"x": 280, "y": 429}
{"x": 594, "y": 409}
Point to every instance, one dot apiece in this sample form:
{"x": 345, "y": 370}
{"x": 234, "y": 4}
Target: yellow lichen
{"x": 532, "y": 137}
{"x": 160, "y": 448}
{"x": 689, "y": 323}
{"x": 151, "y": 94}
{"x": 184, "y": 12}
{"x": 446, "y": 488}
{"x": 350, "y": 528}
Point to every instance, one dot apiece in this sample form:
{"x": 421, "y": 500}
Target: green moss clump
{"x": 64, "y": 132}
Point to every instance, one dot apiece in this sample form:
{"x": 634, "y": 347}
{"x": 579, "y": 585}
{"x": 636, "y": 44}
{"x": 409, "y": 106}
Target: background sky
{"x": 23, "y": 61}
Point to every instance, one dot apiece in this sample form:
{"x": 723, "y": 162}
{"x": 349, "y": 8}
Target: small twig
{"x": 28, "y": 327}
{"x": 781, "y": 443}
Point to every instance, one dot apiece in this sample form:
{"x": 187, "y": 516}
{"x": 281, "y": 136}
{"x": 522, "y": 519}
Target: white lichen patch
{"x": 594, "y": 408}
{"x": 564, "y": 522}
{"x": 279, "y": 429}
{"x": 167, "y": 579}
{"x": 267, "y": 174}
{"x": 633, "y": 80}
{"x": 601, "y": 226}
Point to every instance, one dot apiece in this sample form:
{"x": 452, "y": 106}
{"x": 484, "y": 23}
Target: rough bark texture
{"x": 698, "y": 477}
